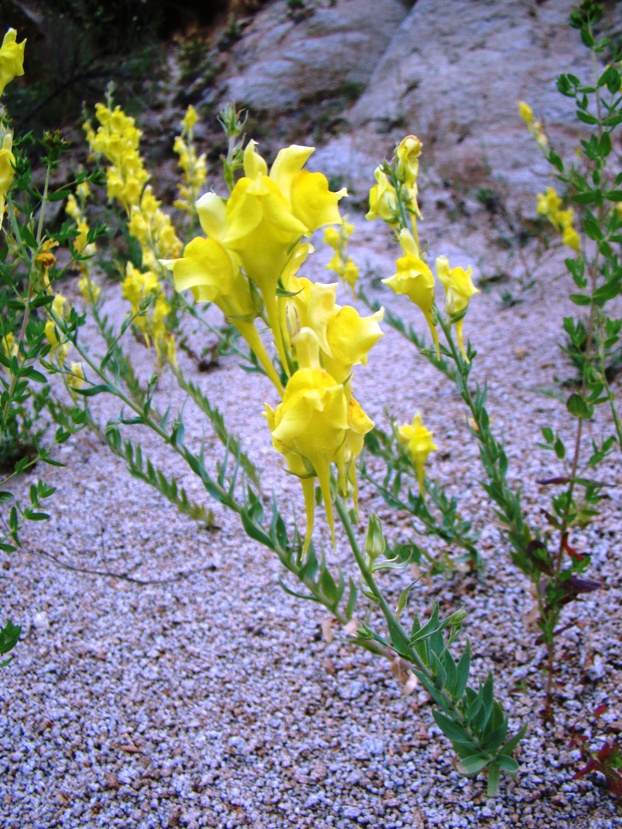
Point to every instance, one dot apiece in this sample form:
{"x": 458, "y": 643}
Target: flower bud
{"x": 375, "y": 542}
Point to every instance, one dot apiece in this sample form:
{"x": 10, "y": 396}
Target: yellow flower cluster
{"x": 153, "y": 229}
{"x": 117, "y": 139}
{"x": 413, "y": 276}
{"x": 533, "y": 125}
{"x": 247, "y": 266}
{"x": 194, "y": 169}
{"x": 11, "y": 65}
{"x": 74, "y": 375}
{"x": 550, "y": 205}
{"x": 340, "y": 263}
{"x": 150, "y": 318}
{"x": 76, "y": 209}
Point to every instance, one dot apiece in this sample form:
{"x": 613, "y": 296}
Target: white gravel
{"x": 213, "y": 701}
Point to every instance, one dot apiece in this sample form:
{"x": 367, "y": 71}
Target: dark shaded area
{"x": 76, "y": 47}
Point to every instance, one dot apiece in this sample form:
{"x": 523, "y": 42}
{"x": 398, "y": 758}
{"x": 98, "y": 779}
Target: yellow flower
{"x": 60, "y": 307}
{"x": 571, "y": 238}
{"x": 549, "y": 204}
{"x": 11, "y": 58}
{"x": 359, "y": 424}
{"x": 9, "y": 345}
{"x": 343, "y": 336}
{"x": 418, "y": 442}
{"x": 190, "y": 119}
{"x": 311, "y": 422}
{"x": 72, "y": 209}
{"x": 75, "y": 379}
{"x": 7, "y": 173}
{"x": 332, "y": 237}
{"x": 89, "y": 289}
{"x": 415, "y": 279}
{"x": 525, "y": 112}
{"x": 383, "y": 199}
{"x": 350, "y": 337}
{"x": 459, "y": 289}
{"x": 311, "y": 200}
{"x": 350, "y": 273}
{"x": 407, "y": 154}
{"x": 213, "y": 275}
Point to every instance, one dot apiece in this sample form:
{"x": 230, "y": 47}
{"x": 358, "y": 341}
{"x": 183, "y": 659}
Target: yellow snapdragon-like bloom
{"x": 415, "y": 279}
{"x": 343, "y": 336}
{"x": 136, "y": 288}
{"x": 340, "y": 263}
{"x": 407, "y": 156}
{"x": 117, "y": 139}
{"x": 418, "y": 442}
{"x": 525, "y": 112}
{"x": 154, "y": 231}
{"x": 75, "y": 380}
{"x": 383, "y": 200}
{"x": 89, "y": 289}
{"x": 534, "y": 126}
{"x": 311, "y": 424}
{"x": 263, "y": 221}
{"x": 11, "y": 58}
{"x": 549, "y": 205}
{"x": 459, "y": 289}
{"x": 194, "y": 168}
{"x": 7, "y": 173}
{"x": 9, "y": 346}
{"x": 60, "y": 349}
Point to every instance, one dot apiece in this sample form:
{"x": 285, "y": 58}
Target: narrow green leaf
{"x": 98, "y": 389}
{"x": 306, "y": 596}
{"x": 329, "y": 588}
{"x": 352, "y": 597}
{"x": 493, "y": 773}
{"x": 463, "y": 670}
{"x": 451, "y": 729}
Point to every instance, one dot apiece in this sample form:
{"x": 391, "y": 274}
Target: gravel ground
{"x": 207, "y": 697}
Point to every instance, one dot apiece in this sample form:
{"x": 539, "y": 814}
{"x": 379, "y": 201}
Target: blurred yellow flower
{"x": 75, "y": 379}
{"x": 7, "y": 173}
{"x": 418, "y": 442}
{"x": 11, "y": 58}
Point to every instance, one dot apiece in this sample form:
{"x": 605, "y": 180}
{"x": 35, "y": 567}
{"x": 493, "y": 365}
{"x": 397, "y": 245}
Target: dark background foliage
{"x": 75, "y": 47}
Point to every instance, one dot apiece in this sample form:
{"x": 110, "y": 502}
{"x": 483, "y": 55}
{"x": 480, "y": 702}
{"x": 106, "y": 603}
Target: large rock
{"x": 288, "y": 59}
{"x": 454, "y": 79}
{"x": 450, "y": 71}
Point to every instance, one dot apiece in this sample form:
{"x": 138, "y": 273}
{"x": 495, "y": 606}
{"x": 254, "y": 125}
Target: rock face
{"x": 450, "y": 71}
{"x": 454, "y": 79}
{"x": 288, "y": 59}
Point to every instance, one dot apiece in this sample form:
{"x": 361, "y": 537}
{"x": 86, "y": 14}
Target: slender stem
{"x": 44, "y": 201}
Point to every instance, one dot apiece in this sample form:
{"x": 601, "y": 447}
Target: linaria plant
{"x": 246, "y": 262}
{"x": 552, "y": 553}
